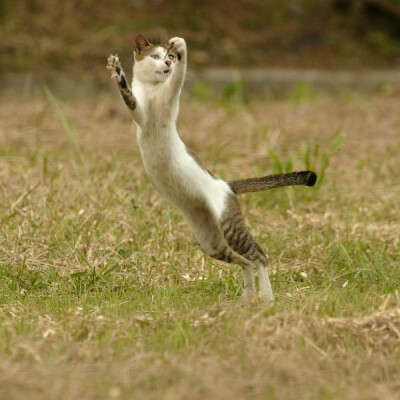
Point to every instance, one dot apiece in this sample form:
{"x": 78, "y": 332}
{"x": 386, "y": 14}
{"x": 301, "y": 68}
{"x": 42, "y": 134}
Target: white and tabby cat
{"x": 209, "y": 205}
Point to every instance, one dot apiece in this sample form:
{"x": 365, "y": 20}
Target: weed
{"x": 68, "y": 128}
{"x": 317, "y": 160}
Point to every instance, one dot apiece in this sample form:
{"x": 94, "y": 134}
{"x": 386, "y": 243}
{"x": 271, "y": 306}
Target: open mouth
{"x": 165, "y": 73}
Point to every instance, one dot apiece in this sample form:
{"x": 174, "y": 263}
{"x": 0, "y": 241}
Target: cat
{"x": 208, "y": 204}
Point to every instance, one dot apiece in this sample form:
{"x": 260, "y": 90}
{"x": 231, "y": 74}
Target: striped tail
{"x": 307, "y": 178}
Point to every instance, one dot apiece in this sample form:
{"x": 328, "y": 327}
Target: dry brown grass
{"x": 103, "y": 293}
{"x": 286, "y": 356}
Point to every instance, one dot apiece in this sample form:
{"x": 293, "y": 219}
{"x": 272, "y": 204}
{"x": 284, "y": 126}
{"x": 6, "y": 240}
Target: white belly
{"x": 178, "y": 177}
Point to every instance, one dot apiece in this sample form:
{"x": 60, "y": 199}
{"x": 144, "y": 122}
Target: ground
{"x": 105, "y": 295}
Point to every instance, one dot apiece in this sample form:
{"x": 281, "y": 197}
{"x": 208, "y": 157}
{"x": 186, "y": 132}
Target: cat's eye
{"x": 155, "y": 56}
{"x": 171, "y": 57}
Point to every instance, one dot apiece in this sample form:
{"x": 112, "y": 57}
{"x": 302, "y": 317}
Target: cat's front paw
{"x": 114, "y": 65}
{"x": 178, "y": 45}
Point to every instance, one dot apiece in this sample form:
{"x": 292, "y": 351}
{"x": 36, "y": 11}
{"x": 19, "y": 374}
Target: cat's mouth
{"x": 166, "y": 72}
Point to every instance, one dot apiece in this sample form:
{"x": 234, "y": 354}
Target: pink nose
{"x": 168, "y": 62}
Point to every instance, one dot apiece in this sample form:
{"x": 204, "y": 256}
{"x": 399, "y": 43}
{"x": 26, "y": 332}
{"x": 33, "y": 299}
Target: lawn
{"x": 105, "y": 295}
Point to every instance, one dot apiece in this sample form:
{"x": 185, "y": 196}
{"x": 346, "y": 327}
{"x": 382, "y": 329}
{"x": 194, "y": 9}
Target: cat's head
{"x": 153, "y": 64}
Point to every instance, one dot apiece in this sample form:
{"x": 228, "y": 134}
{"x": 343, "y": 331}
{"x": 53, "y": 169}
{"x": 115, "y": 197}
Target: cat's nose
{"x": 168, "y": 62}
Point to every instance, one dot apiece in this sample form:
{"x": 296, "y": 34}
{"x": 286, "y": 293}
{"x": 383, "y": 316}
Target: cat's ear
{"x": 140, "y": 43}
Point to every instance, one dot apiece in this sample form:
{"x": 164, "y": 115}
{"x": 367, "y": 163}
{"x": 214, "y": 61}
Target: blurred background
{"x": 73, "y": 38}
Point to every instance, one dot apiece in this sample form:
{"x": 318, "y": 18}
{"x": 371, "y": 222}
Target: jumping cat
{"x": 209, "y": 205}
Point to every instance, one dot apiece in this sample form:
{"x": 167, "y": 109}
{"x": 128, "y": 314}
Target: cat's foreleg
{"x": 114, "y": 65}
{"x": 178, "y": 46}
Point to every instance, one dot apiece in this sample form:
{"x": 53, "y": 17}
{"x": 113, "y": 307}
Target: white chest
{"x": 171, "y": 169}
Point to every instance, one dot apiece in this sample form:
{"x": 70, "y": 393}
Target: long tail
{"x": 307, "y": 178}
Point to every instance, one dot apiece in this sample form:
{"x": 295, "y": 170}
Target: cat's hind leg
{"x": 248, "y": 248}
{"x": 240, "y": 240}
{"x": 216, "y": 246}
{"x": 249, "y": 290}
{"x": 265, "y": 283}
{"x": 229, "y": 255}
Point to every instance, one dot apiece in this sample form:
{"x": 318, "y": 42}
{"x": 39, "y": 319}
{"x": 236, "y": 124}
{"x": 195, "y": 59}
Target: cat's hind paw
{"x": 114, "y": 65}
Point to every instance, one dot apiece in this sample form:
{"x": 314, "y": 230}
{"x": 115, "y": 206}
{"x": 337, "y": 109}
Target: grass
{"x": 104, "y": 294}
